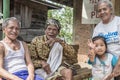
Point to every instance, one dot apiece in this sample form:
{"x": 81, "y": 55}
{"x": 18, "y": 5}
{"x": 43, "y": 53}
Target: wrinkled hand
{"x": 109, "y": 77}
{"x": 51, "y": 41}
{"x": 115, "y": 73}
{"x": 46, "y": 67}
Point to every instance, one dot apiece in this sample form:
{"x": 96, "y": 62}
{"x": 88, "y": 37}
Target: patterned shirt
{"x": 40, "y": 51}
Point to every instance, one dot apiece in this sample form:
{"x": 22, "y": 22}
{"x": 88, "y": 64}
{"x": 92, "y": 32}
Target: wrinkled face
{"x": 100, "y": 47}
{"x": 51, "y": 31}
{"x": 104, "y": 12}
{"x": 12, "y": 30}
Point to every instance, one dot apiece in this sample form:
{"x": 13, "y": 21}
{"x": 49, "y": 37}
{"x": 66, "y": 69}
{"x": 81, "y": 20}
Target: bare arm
{"x": 29, "y": 62}
{"x": 91, "y": 53}
{"x": 3, "y": 73}
{"x": 116, "y": 71}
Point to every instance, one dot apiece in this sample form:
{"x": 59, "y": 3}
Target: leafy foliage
{"x": 65, "y": 16}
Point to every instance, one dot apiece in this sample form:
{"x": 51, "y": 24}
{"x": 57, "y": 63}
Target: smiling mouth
{"x": 51, "y": 35}
{"x": 99, "y": 51}
{"x": 102, "y": 16}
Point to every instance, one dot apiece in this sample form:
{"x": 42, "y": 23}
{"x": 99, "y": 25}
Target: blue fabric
{"x": 24, "y": 74}
{"x": 92, "y": 63}
{"x": 114, "y": 60}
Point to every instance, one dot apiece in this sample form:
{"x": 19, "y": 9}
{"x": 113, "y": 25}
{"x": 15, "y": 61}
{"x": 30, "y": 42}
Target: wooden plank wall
{"x": 32, "y": 19}
{"x": 117, "y": 7}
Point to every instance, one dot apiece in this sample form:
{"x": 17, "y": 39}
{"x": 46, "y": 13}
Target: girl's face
{"x": 100, "y": 47}
{"x": 104, "y": 12}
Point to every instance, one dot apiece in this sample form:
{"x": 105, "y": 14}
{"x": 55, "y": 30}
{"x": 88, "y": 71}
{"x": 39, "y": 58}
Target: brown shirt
{"x": 40, "y": 51}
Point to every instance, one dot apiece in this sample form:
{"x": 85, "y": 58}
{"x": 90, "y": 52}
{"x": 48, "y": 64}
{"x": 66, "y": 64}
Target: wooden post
{"x": 117, "y": 7}
{"x": 6, "y": 10}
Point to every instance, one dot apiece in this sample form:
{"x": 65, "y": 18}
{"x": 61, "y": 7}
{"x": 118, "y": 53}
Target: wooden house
{"x": 32, "y": 15}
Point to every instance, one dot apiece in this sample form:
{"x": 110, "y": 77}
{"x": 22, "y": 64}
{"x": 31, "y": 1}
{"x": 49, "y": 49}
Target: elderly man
{"x": 52, "y": 55}
{"x": 15, "y": 61}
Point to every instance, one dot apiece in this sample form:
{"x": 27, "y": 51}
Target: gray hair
{"x": 54, "y": 22}
{"x": 6, "y": 22}
{"x": 109, "y": 4}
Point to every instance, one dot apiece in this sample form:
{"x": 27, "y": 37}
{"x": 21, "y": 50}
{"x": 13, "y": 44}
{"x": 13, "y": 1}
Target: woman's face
{"x": 104, "y": 12}
{"x": 51, "y": 31}
{"x": 12, "y": 30}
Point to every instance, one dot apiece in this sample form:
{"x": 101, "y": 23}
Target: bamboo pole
{"x": 6, "y": 10}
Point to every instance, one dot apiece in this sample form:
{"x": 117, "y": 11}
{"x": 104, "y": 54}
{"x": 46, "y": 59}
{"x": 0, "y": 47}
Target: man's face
{"x": 12, "y": 30}
{"x": 51, "y": 31}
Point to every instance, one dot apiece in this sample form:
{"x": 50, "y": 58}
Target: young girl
{"x": 102, "y": 62}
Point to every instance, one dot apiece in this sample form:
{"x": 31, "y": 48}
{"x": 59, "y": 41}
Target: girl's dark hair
{"x": 102, "y": 38}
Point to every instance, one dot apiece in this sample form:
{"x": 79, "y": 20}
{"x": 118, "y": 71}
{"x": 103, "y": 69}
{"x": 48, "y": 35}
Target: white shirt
{"x": 101, "y": 69}
{"x": 14, "y": 60}
{"x": 111, "y": 32}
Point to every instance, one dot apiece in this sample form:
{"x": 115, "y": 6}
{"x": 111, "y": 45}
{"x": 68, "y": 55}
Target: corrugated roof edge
{"x": 50, "y": 5}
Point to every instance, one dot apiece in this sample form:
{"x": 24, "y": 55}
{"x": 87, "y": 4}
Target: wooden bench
{"x": 81, "y": 73}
